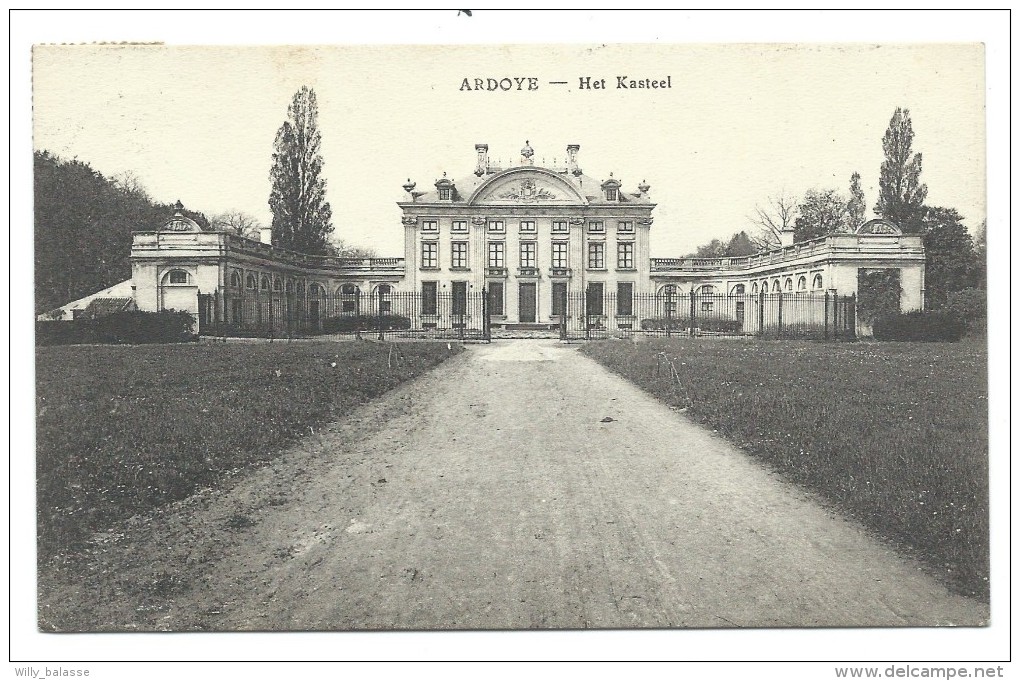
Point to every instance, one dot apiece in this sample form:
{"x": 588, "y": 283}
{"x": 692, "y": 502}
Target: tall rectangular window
{"x": 559, "y": 298}
{"x": 624, "y": 299}
{"x": 444, "y": 193}
{"x": 496, "y": 298}
{"x": 528, "y": 253}
{"x": 459, "y": 289}
{"x": 559, "y": 254}
{"x": 528, "y": 226}
{"x": 459, "y": 226}
{"x": 429, "y": 226}
{"x": 593, "y": 299}
{"x": 459, "y": 255}
{"x": 560, "y": 226}
{"x": 429, "y": 255}
{"x": 596, "y": 255}
{"x": 429, "y": 297}
{"x": 496, "y": 251}
{"x": 625, "y": 256}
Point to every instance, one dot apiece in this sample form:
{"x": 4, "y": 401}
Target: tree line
{"x": 956, "y": 258}
{"x": 83, "y": 226}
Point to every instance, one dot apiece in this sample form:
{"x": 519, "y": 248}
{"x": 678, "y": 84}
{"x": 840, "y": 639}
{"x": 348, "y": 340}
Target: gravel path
{"x": 519, "y": 485}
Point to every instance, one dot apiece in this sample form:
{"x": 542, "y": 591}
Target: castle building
{"x": 535, "y": 239}
{"x": 530, "y": 235}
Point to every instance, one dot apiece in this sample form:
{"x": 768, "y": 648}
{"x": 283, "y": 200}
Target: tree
{"x": 822, "y": 212}
{"x": 129, "y": 183}
{"x": 770, "y": 221}
{"x": 739, "y": 245}
{"x": 980, "y": 277}
{"x": 342, "y": 249}
{"x": 900, "y": 191}
{"x": 855, "y": 207}
{"x": 83, "y": 227}
{"x": 713, "y": 249}
{"x": 237, "y": 222}
{"x": 302, "y": 218}
{"x": 950, "y": 264}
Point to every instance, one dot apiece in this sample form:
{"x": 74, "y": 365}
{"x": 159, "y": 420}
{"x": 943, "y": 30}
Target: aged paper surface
{"x": 726, "y": 125}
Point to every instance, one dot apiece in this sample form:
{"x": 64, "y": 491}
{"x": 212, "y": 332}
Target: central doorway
{"x": 526, "y": 303}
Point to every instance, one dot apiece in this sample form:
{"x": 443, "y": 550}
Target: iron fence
{"x": 593, "y": 315}
{"x": 390, "y": 314}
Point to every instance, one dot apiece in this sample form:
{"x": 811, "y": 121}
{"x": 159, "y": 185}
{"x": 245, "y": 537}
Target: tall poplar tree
{"x": 901, "y": 194}
{"x": 855, "y": 207}
{"x": 302, "y": 218}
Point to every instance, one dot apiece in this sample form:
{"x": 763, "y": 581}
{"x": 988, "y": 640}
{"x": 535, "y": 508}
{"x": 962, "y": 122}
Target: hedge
{"x": 130, "y": 327}
{"x": 920, "y": 326}
{"x": 350, "y": 323}
{"x": 684, "y": 323}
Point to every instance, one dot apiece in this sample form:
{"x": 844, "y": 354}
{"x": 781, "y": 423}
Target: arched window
{"x": 349, "y": 298}
{"x": 764, "y": 285}
{"x": 265, "y": 283}
{"x": 738, "y": 290}
{"x": 290, "y": 286}
{"x": 802, "y": 284}
{"x": 277, "y": 284}
{"x": 788, "y": 284}
{"x": 301, "y": 288}
{"x": 754, "y": 289}
{"x": 817, "y": 281}
{"x": 177, "y": 277}
{"x": 235, "y": 279}
{"x": 775, "y": 286}
{"x": 314, "y": 289}
{"x": 250, "y": 282}
{"x": 707, "y": 289}
{"x": 383, "y": 292}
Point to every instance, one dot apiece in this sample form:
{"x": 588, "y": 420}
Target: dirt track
{"x": 492, "y": 494}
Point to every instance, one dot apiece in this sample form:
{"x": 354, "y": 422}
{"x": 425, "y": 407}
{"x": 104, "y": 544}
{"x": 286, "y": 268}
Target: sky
{"x": 761, "y": 102}
{"x": 740, "y": 124}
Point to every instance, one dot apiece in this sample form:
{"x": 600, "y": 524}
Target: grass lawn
{"x": 123, "y": 429}
{"x": 896, "y": 434}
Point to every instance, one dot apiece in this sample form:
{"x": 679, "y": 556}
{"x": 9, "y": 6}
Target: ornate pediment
{"x": 527, "y": 191}
{"x": 527, "y": 186}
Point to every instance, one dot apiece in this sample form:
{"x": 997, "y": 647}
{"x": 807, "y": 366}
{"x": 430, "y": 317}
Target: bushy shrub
{"x": 663, "y": 323}
{"x": 683, "y": 323}
{"x": 970, "y": 304}
{"x": 920, "y": 326}
{"x": 351, "y": 323}
{"x": 132, "y": 326}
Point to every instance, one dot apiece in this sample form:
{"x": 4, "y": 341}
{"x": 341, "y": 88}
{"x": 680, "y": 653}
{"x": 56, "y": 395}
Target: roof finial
{"x": 526, "y": 153}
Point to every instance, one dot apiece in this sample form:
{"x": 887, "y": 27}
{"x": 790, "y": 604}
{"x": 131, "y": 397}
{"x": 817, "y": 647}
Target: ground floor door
{"x": 526, "y": 303}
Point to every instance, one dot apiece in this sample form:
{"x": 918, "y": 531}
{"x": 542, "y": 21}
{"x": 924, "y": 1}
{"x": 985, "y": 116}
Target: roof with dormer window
{"x": 583, "y": 185}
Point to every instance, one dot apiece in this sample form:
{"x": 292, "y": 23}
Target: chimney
{"x": 266, "y": 235}
{"x": 483, "y": 159}
{"x": 572, "y": 150}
